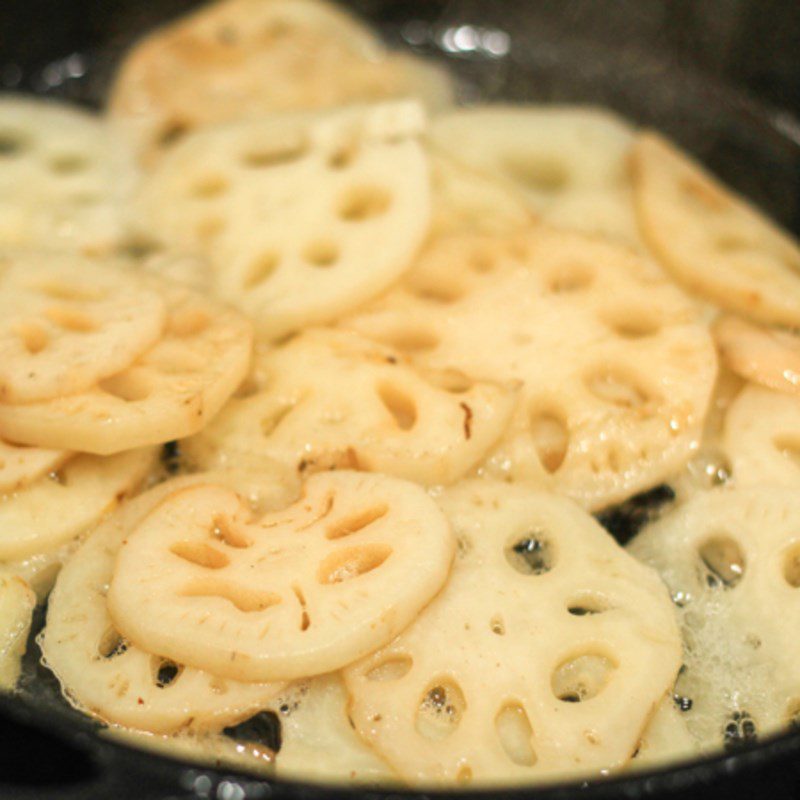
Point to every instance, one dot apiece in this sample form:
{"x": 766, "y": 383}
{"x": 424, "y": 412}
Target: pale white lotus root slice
{"x": 49, "y": 512}
{"x": 666, "y": 739}
{"x": 17, "y": 602}
{"x": 62, "y": 177}
{"x": 335, "y": 399}
{"x": 616, "y": 370}
{"x": 769, "y": 357}
{"x": 712, "y": 240}
{"x": 21, "y": 465}
{"x": 465, "y": 199}
{"x": 67, "y": 321}
{"x": 102, "y": 673}
{"x": 761, "y": 438}
{"x": 731, "y": 561}
{"x": 304, "y": 216}
{"x": 286, "y": 595}
{"x": 546, "y": 652}
{"x": 318, "y": 742}
{"x": 569, "y": 163}
{"x": 242, "y": 58}
{"x": 171, "y": 391}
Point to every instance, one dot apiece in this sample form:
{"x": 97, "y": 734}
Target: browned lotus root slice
{"x": 762, "y": 438}
{"x": 103, "y": 674}
{"x": 169, "y": 392}
{"x": 67, "y": 322}
{"x": 712, "y": 240}
{"x": 304, "y": 216}
{"x": 616, "y": 369}
{"x": 332, "y": 399}
{"x": 768, "y": 357}
{"x": 295, "y": 593}
{"x": 49, "y": 512}
{"x": 731, "y": 560}
{"x": 545, "y": 653}
{"x": 17, "y": 602}
{"x": 241, "y": 58}
{"x": 21, "y": 465}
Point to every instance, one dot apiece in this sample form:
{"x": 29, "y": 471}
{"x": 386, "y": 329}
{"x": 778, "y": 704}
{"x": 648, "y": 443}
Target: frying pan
{"x": 721, "y": 77}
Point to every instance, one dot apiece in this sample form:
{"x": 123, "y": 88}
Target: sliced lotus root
{"x": 21, "y": 465}
{"x": 712, "y": 240}
{"x": 281, "y": 596}
{"x": 730, "y": 559}
{"x": 104, "y": 674}
{"x": 169, "y": 392}
{"x": 666, "y": 739}
{"x": 17, "y": 602}
{"x": 67, "y": 322}
{"x": 243, "y": 58}
{"x": 61, "y": 177}
{"x": 40, "y": 570}
{"x": 304, "y": 217}
{"x": 616, "y": 371}
{"x": 467, "y": 200}
{"x": 55, "y": 508}
{"x": 765, "y": 356}
{"x": 546, "y": 652}
{"x": 762, "y": 438}
{"x": 570, "y": 163}
{"x": 333, "y": 399}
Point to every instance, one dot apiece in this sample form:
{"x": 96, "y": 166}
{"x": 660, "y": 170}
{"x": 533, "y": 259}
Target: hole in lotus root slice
{"x": 281, "y": 154}
{"x": 294, "y": 601}
{"x": 262, "y": 728}
{"x": 13, "y": 143}
{"x": 634, "y": 323}
{"x": 352, "y": 562}
{"x": 165, "y": 672}
{"x": 515, "y": 734}
{"x": 585, "y": 605}
{"x": 411, "y": 340}
{"x": 531, "y": 553}
{"x": 551, "y": 439}
{"x": 791, "y": 566}
{"x": 617, "y": 387}
{"x": 208, "y": 187}
{"x": 355, "y": 524}
{"x": 108, "y": 676}
{"x": 111, "y": 644}
{"x": 261, "y": 269}
{"x": 321, "y": 253}
{"x": 457, "y": 641}
{"x": 400, "y": 405}
{"x": 170, "y": 392}
{"x": 392, "y": 668}
{"x": 581, "y": 678}
{"x": 723, "y": 558}
{"x": 360, "y": 203}
{"x": 570, "y": 278}
{"x": 548, "y": 175}
{"x": 70, "y": 321}
{"x": 440, "y": 710}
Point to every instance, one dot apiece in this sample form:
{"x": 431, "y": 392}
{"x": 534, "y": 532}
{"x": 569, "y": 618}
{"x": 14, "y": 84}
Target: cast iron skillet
{"x": 720, "y": 77}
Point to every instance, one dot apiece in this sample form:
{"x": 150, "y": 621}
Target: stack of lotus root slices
{"x": 351, "y": 435}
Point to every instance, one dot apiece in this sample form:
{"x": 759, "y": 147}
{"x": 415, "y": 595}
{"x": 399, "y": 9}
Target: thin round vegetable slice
{"x": 544, "y": 654}
{"x": 334, "y": 399}
{"x": 285, "y": 595}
